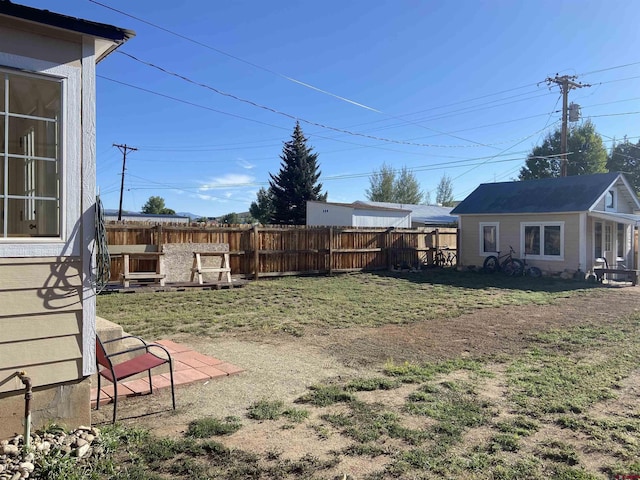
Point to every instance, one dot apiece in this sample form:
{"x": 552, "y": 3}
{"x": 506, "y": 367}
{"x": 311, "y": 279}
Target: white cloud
{"x": 244, "y": 164}
{"x": 230, "y": 180}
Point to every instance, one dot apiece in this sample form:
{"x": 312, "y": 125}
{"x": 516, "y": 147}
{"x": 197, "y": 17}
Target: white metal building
{"x": 356, "y": 214}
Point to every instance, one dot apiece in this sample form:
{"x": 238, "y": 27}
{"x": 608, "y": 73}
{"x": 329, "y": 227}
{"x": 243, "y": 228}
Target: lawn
{"x": 291, "y": 304}
{"x": 560, "y": 401}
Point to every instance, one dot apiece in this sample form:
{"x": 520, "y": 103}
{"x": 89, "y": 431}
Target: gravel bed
{"x": 18, "y": 462}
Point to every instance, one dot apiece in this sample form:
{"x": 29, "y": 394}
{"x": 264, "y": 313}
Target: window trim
{"x": 542, "y": 225}
{"x": 69, "y": 242}
{"x": 481, "y": 238}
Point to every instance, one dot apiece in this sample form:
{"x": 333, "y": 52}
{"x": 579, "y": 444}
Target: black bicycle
{"x": 445, "y": 260}
{"x": 530, "y": 270}
{"x": 506, "y": 263}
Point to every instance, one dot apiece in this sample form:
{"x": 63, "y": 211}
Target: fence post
{"x": 389, "y": 259}
{"x": 330, "y": 250}
{"x": 256, "y": 252}
{"x": 159, "y": 237}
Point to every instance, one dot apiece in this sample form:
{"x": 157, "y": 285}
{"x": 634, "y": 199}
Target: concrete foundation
{"x": 66, "y": 404}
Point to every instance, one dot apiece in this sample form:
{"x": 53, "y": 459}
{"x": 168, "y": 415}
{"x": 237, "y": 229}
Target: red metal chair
{"x": 115, "y": 372}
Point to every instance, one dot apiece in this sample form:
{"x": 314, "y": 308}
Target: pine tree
{"x": 297, "y": 181}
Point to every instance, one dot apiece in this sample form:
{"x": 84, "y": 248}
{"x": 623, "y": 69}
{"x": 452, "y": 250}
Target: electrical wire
{"x": 300, "y": 119}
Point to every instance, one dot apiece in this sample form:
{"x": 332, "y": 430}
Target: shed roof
{"x": 427, "y": 214}
{"x": 575, "y": 193}
{"x": 116, "y": 35}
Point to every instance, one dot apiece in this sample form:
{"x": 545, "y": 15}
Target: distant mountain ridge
{"x": 114, "y": 211}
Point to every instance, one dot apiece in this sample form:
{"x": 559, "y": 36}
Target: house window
{"x": 489, "y": 234}
{"x": 621, "y": 240}
{"x": 608, "y": 237}
{"x": 610, "y": 200}
{"x": 597, "y": 239}
{"x": 30, "y": 113}
{"x": 544, "y": 240}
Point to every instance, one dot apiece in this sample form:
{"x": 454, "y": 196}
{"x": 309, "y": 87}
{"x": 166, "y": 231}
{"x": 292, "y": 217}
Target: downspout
{"x": 28, "y": 394}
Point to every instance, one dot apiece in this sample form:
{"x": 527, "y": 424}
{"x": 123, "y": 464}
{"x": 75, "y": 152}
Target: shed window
{"x": 489, "y": 238}
{"x": 543, "y": 240}
{"x": 30, "y": 132}
{"x": 610, "y": 200}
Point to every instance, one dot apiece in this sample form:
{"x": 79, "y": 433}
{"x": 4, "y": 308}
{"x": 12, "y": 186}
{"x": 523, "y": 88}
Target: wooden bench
{"x": 629, "y": 275}
{"x": 223, "y": 271}
{"x": 139, "y": 252}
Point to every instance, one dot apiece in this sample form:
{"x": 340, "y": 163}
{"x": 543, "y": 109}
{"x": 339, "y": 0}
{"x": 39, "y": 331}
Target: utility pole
{"x": 124, "y": 149}
{"x": 566, "y": 83}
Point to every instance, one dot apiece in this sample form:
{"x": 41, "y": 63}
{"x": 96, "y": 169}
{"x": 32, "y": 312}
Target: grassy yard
{"x": 292, "y": 304}
{"x": 564, "y": 407}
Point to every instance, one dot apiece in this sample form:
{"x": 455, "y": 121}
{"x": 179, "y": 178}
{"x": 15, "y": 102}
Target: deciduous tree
{"x": 625, "y": 158}
{"x": 155, "y": 205}
{"x": 385, "y": 186}
{"x": 444, "y": 192}
{"x": 262, "y": 209}
{"x": 585, "y": 154}
{"x": 381, "y": 183}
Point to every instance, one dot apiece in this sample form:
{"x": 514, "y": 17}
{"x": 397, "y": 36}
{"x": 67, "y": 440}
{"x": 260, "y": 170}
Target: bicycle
{"x": 510, "y": 266}
{"x": 530, "y": 271}
{"x": 442, "y": 260}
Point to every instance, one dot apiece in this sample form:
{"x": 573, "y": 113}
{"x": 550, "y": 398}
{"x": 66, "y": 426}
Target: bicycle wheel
{"x": 534, "y": 272}
{"x": 452, "y": 260}
{"x": 512, "y": 267}
{"x": 491, "y": 264}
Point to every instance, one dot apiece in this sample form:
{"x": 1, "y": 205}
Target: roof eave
{"x": 108, "y": 37}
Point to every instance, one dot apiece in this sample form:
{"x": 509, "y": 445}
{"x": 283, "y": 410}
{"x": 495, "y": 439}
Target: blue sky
{"x": 455, "y": 88}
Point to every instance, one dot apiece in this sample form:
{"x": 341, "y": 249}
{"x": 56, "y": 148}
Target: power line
{"x": 295, "y": 117}
{"x": 287, "y": 77}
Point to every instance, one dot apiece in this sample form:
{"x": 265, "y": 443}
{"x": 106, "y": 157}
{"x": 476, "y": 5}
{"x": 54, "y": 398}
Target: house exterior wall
{"x": 41, "y": 42}
{"x": 381, "y": 218}
{"x": 327, "y": 214}
{"x": 622, "y": 203}
{"x": 47, "y": 321}
{"x": 510, "y": 234}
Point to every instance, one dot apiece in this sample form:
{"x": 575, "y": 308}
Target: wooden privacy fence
{"x": 275, "y": 251}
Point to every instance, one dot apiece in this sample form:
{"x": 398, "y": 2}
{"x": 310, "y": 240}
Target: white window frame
{"x": 70, "y": 161}
{"x": 481, "y": 235}
{"x": 542, "y": 225}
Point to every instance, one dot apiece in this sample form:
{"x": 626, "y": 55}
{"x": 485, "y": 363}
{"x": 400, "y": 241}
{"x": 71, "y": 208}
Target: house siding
{"x": 377, "y": 218}
{"x": 510, "y": 234}
{"x": 41, "y": 322}
{"x": 41, "y": 42}
{"x": 326, "y": 214}
{"x": 47, "y": 319}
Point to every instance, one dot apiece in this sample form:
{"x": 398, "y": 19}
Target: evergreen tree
{"x": 296, "y": 182}
{"x": 262, "y": 208}
{"x": 586, "y": 154}
{"x": 444, "y": 193}
{"x": 625, "y": 158}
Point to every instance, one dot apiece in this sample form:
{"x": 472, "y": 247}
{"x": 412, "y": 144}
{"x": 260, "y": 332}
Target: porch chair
{"x": 144, "y": 362}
